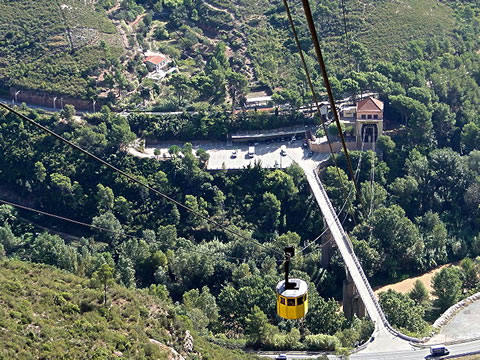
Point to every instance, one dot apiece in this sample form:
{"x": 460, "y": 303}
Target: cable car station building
{"x": 369, "y": 120}
{"x": 366, "y": 121}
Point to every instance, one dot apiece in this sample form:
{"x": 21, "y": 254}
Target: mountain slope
{"x": 53, "y": 46}
{"x": 50, "y": 314}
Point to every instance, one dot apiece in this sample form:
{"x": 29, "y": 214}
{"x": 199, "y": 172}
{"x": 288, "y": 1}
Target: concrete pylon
{"x": 352, "y": 303}
{"x": 328, "y": 243}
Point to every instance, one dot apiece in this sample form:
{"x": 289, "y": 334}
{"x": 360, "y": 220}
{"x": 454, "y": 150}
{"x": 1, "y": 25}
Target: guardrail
{"x": 349, "y": 244}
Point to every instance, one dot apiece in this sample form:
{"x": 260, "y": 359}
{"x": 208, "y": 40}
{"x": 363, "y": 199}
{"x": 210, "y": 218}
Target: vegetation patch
{"x": 53, "y": 46}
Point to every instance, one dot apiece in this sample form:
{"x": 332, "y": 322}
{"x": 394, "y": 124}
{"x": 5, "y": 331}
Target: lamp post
{"x": 324, "y": 111}
{"x": 94, "y": 102}
{"x": 54, "y": 99}
{"x": 16, "y": 93}
{"x": 61, "y": 102}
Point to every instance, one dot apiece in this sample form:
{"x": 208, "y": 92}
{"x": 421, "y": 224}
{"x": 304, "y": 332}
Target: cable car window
{"x": 290, "y": 302}
{"x": 282, "y": 301}
{"x": 300, "y": 300}
{"x": 305, "y": 297}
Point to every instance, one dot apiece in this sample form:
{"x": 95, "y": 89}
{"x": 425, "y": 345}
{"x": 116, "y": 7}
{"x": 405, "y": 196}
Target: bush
{"x": 322, "y": 342}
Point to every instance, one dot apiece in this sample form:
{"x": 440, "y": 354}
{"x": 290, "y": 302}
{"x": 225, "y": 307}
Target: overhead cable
{"x": 318, "y": 51}
{"x": 132, "y": 178}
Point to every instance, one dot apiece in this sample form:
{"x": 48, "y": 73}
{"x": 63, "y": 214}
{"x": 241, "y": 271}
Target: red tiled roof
{"x": 157, "y": 59}
{"x": 370, "y": 104}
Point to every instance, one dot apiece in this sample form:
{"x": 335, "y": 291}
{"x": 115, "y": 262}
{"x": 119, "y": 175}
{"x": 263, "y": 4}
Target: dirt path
{"x": 407, "y": 284}
{"x": 214, "y": 7}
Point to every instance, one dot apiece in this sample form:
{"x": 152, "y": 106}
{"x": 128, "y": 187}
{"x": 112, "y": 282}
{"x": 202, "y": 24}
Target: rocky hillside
{"x": 54, "y": 45}
{"x": 49, "y": 314}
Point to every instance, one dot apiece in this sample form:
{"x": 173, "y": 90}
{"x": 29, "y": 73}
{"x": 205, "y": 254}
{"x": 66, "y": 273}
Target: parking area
{"x": 268, "y": 154}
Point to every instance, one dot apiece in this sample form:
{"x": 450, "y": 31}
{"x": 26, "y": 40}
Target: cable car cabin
{"x": 292, "y": 301}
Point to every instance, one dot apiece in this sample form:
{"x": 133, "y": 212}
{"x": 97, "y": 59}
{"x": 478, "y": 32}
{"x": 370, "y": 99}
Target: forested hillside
{"x": 50, "y": 314}
{"x": 150, "y": 241}
{"x": 54, "y": 46}
{"x": 420, "y": 192}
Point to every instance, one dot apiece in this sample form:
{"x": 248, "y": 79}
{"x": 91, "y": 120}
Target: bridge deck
{"x": 346, "y": 249}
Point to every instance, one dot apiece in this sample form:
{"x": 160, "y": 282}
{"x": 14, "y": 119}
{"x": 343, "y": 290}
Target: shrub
{"x": 322, "y": 342}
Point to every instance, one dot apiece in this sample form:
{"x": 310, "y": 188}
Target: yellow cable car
{"x": 292, "y": 294}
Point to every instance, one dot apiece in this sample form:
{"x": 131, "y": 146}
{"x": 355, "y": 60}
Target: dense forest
{"x": 420, "y": 193}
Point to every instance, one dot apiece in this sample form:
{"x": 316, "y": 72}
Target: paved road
{"x": 416, "y": 354}
{"x": 465, "y": 325}
{"x": 412, "y": 354}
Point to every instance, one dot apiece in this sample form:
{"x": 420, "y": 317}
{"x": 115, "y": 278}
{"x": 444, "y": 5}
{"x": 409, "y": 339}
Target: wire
{"x": 310, "y": 84}
{"x": 372, "y": 182}
{"x": 91, "y": 226}
{"x": 316, "y": 44}
{"x": 133, "y": 179}
{"x": 347, "y": 45}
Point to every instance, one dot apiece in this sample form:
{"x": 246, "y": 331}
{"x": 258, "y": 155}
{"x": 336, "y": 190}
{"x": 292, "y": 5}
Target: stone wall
{"x": 44, "y": 99}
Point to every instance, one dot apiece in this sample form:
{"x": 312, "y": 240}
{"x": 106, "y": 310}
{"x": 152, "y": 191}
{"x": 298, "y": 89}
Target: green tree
{"x": 103, "y": 277}
{"x": 105, "y": 198}
{"x": 126, "y": 271}
{"x": 51, "y": 249}
{"x": 40, "y": 172}
{"x": 257, "y": 328}
{"x": 269, "y": 210}
{"x": 447, "y": 286}
{"x": 68, "y": 112}
{"x": 419, "y": 293}
{"x": 7, "y": 239}
{"x": 443, "y": 120}
{"x": 109, "y": 222}
{"x": 470, "y": 136}
{"x": 401, "y": 311}
{"x": 237, "y": 85}
{"x": 470, "y": 274}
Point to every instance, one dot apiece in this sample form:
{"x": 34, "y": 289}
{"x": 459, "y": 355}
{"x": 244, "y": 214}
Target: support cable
{"x": 132, "y": 178}
{"x": 318, "y": 51}
{"x": 312, "y": 89}
{"x": 99, "y": 228}
{"x": 347, "y": 44}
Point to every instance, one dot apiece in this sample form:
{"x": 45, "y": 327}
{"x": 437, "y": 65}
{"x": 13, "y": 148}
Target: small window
{"x": 282, "y": 301}
{"x": 369, "y": 116}
{"x": 290, "y": 302}
{"x": 364, "y": 116}
{"x": 300, "y": 300}
{"x": 305, "y": 297}
{"x": 375, "y": 116}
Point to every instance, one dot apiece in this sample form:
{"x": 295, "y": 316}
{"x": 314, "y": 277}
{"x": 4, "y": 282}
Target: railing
{"x": 349, "y": 245}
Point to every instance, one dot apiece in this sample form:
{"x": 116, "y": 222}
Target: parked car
{"x": 310, "y": 154}
{"x": 234, "y": 154}
{"x": 281, "y": 357}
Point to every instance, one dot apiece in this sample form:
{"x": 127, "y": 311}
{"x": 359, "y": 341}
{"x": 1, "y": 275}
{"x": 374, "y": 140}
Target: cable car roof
{"x": 300, "y": 288}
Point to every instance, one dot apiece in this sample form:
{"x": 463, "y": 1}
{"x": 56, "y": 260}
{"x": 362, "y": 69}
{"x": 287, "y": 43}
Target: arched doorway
{"x": 369, "y": 132}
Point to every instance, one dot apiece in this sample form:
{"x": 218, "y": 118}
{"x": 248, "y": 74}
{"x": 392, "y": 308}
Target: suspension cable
{"x": 132, "y": 178}
{"x": 318, "y": 51}
{"x": 99, "y": 228}
{"x": 312, "y": 89}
